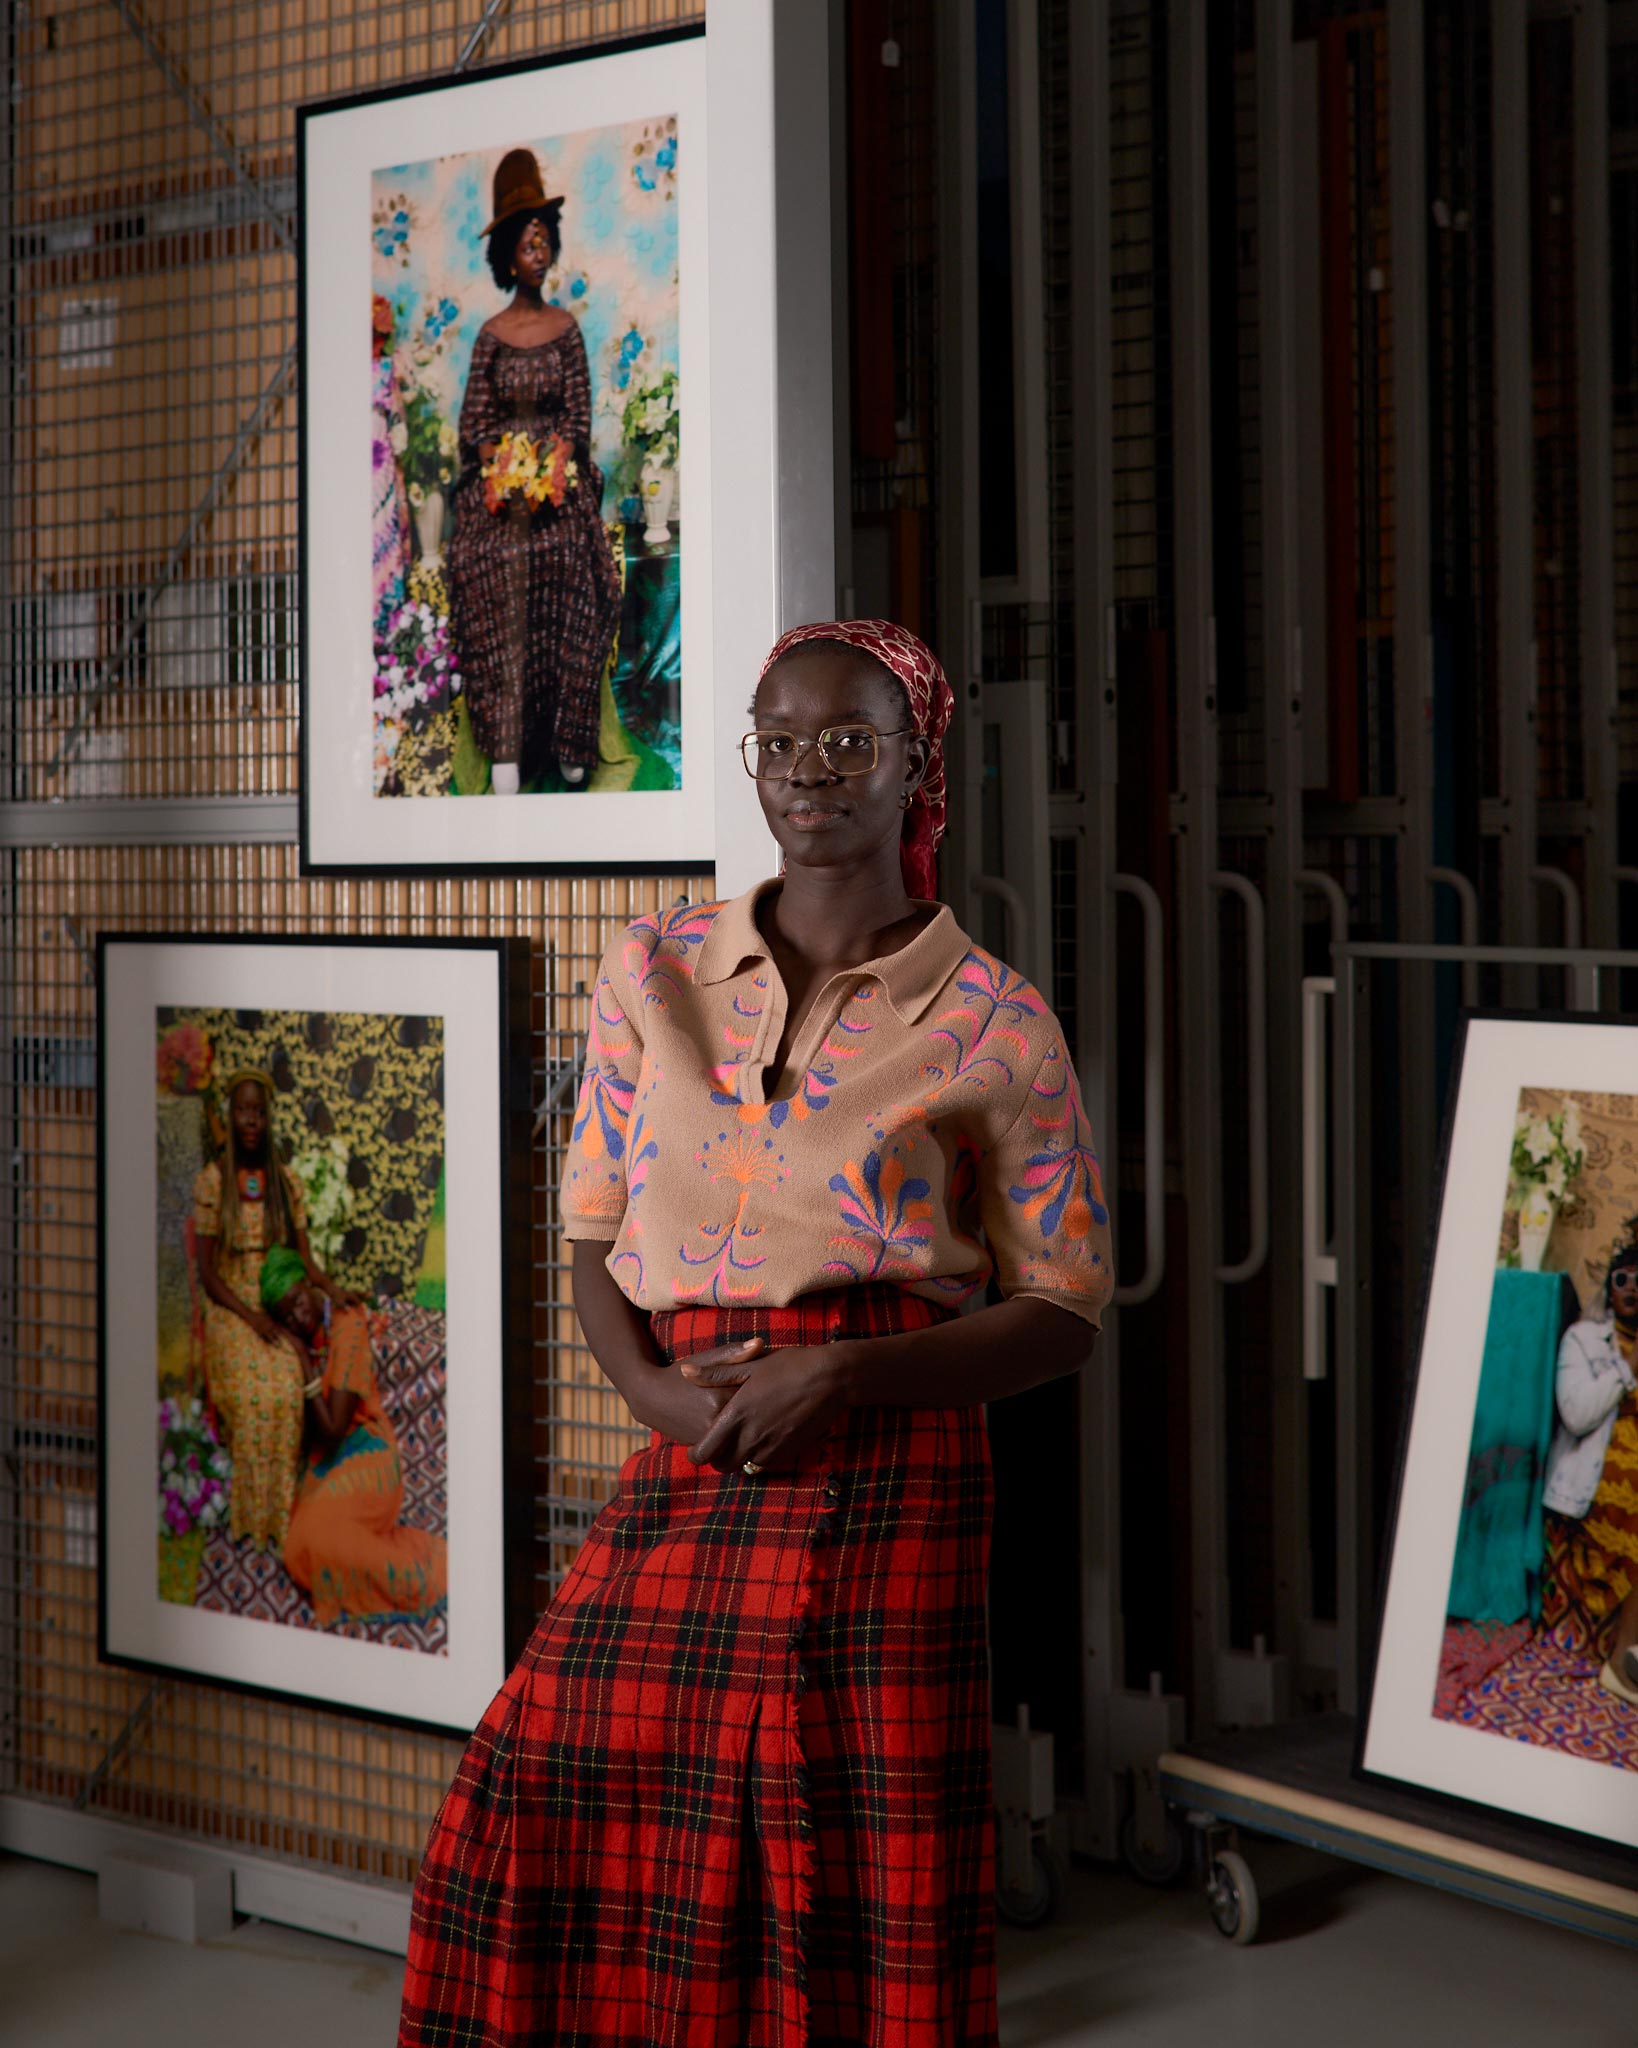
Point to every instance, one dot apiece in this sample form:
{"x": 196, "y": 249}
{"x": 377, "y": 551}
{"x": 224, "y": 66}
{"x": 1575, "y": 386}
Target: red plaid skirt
{"x": 736, "y": 1793}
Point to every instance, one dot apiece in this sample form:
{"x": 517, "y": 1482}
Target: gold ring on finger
{"x": 750, "y": 1468}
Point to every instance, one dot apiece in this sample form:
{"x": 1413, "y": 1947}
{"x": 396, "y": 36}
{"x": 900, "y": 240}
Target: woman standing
{"x": 534, "y": 591}
{"x": 737, "y": 1790}
{"x": 1591, "y": 1490}
{"x": 243, "y": 1205}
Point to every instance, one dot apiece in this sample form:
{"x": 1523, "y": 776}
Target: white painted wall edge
{"x": 319, "y": 1901}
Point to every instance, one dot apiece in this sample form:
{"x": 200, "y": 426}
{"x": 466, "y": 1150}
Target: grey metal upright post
{"x": 1413, "y": 629}
{"x": 1094, "y": 829}
{"x": 1282, "y": 721}
{"x": 1515, "y": 503}
{"x": 1595, "y": 440}
{"x": 1196, "y": 822}
{"x": 958, "y": 602}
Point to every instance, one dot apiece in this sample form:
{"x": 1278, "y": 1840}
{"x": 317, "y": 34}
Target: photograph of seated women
{"x": 1541, "y": 1641}
{"x": 300, "y": 1200}
{"x": 526, "y": 540}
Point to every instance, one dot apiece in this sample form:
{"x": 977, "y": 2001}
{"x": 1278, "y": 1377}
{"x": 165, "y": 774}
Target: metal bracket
{"x": 88, "y": 958}
{"x": 204, "y": 120}
{"x": 132, "y": 1728}
{"x": 215, "y": 491}
{"x": 480, "y": 32}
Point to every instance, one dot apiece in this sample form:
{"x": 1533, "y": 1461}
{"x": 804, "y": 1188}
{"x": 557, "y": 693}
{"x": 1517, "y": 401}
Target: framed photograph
{"x": 519, "y": 539}
{"x": 1504, "y": 1671}
{"x": 313, "y": 1173}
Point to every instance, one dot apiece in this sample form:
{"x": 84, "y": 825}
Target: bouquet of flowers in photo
{"x": 1547, "y": 1153}
{"x": 322, "y": 1171}
{"x": 194, "y": 1470}
{"x": 184, "y": 1062}
{"x": 415, "y": 672}
{"x": 424, "y": 439}
{"x": 650, "y": 424}
{"x": 538, "y": 472}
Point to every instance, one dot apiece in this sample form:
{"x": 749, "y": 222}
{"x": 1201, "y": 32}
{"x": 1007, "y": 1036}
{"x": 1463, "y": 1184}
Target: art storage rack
{"x": 1295, "y": 1783}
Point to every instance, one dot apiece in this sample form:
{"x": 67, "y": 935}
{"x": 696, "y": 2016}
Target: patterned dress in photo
{"x": 346, "y": 1546}
{"x": 390, "y": 540}
{"x": 256, "y": 1386}
{"x": 535, "y": 594}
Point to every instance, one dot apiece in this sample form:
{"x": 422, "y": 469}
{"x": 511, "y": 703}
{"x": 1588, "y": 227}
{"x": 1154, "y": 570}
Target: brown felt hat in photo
{"x": 519, "y": 187}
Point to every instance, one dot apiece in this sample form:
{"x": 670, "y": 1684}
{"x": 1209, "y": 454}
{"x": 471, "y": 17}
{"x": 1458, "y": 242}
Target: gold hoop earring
{"x": 907, "y": 798}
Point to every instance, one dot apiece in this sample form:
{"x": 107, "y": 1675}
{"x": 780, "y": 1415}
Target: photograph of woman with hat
{"x": 531, "y": 641}
{"x": 534, "y": 591}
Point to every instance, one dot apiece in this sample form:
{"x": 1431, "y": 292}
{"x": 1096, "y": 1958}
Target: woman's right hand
{"x": 264, "y": 1325}
{"x": 681, "y": 1411}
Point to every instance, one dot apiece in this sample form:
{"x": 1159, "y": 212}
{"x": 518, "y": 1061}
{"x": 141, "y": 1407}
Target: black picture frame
{"x": 581, "y": 850}
{"x": 495, "y": 984}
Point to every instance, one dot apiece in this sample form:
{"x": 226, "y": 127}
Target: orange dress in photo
{"x": 346, "y": 1547}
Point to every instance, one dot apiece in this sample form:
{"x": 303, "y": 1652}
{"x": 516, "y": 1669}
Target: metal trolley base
{"x": 1295, "y": 1783}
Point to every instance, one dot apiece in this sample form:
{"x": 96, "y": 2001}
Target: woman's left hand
{"x": 343, "y": 1297}
{"x": 781, "y": 1402}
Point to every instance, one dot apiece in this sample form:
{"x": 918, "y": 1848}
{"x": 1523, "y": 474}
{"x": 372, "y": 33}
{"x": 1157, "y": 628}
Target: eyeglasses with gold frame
{"x": 774, "y": 756}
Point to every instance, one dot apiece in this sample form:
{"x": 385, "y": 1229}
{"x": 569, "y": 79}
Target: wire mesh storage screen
{"x": 302, "y": 1783}
{"x": 147, "y": 649}
{"x": 149, "y": 192}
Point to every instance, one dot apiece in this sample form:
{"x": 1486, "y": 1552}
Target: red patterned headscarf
{"x": 932, "y": 704}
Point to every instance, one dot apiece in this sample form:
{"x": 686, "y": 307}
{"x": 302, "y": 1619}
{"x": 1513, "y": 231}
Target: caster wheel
{"x": 1034, "y": 1905}
{"x": 1153, "y": 1857}
{"x": 1231, "y": 1893}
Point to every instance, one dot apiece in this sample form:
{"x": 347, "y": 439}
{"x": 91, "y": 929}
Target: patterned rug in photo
{"x": 407, "y": 1350}
{"x": 1542, "y": 1690}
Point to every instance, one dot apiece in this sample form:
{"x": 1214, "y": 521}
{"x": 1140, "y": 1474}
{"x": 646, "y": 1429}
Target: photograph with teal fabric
{"x": 1541, "y": 1628}
{"x": 527, "y": 539}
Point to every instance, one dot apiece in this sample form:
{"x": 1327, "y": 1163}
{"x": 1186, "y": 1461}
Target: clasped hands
{"x": 741, "y": 1402}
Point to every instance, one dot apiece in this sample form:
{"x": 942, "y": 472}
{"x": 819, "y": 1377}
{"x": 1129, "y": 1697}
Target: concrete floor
{"x": 1346, "y": 1957}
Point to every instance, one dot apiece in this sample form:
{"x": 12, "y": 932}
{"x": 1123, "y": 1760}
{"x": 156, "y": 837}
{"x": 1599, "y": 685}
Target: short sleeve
{"x": 596, "y": 1182}
{"x": 1041, "y": 1196}
{"x": 207, "y": 1202}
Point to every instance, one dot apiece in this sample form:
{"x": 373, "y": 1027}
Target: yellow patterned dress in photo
{"x": 1611, "y": 1523}
{"x": 256, "y": 1386}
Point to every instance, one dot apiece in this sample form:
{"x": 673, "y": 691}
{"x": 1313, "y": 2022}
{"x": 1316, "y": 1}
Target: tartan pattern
{"x": 736, "y": 1793}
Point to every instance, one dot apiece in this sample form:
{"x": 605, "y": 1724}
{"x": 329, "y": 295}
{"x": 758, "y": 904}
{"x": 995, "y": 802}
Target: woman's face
{"x": 1624, "y": 1293}
{"x": 819, "y": 817}
{"x": 249, "y": 1113}
{"x": 300, "y": 1310}
{"x": 534, "y": 255}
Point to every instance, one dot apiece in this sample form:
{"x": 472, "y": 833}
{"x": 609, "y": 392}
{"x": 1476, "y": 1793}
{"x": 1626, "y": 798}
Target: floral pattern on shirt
{"x": 933, "y": 1134}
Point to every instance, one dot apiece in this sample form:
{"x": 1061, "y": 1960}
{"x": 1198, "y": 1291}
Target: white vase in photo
{"x": 659, "y": 488}
{"x": 429, "y": 528}
{"x": 1536, "y": 1213}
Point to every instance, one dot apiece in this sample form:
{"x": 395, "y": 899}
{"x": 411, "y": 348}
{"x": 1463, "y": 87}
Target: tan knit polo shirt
{"x": 928, "y": 1130}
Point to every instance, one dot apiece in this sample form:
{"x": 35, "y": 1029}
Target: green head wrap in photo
{"x": 282, "y": 1273}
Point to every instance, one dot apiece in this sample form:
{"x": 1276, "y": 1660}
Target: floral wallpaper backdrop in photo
{"x": 617, "y": 273}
